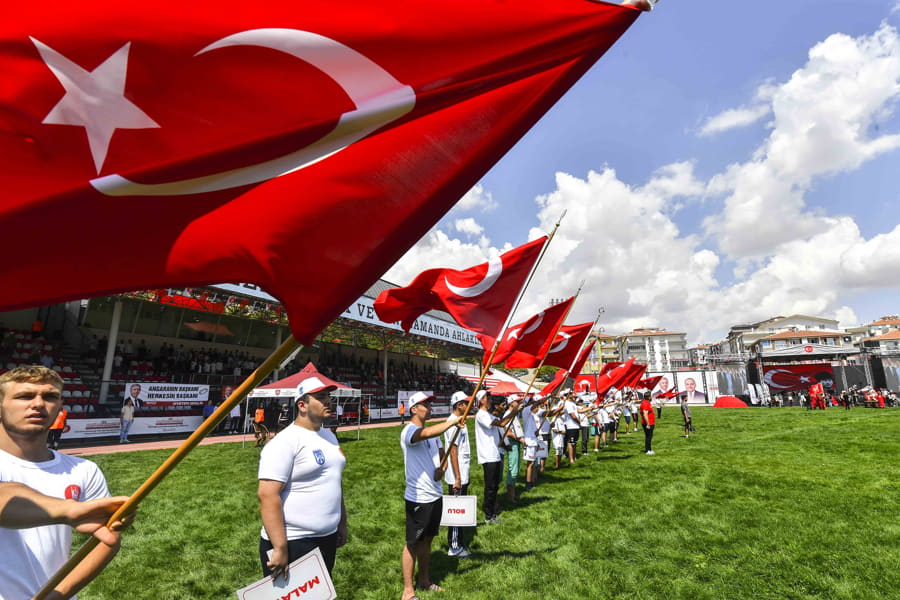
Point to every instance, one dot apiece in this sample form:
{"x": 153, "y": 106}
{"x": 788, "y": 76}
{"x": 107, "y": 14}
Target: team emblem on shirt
{"x": 319, "y": 456}
{"x": 73, "y": 492}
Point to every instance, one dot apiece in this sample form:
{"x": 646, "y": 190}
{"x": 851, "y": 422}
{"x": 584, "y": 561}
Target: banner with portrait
{"x": 692, "y": 384}
{"x": 665, "y": 384}
{"x": 157, "y": 393}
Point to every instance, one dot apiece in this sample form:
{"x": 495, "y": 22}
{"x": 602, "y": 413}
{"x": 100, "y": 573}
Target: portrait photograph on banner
{"x": 692, "y": 386}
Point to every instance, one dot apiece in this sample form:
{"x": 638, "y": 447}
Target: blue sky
{"x": 725, "y": 162}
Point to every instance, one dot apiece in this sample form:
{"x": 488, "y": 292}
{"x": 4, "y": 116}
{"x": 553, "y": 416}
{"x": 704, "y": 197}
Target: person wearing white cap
{"x": 487, "y": 444}
{"x": 459, "y": 461}
{"x": 300, "y": 496}
{"x": 422, "y": 457}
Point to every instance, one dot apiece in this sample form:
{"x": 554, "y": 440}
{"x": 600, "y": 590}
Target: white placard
{"x": 307, "y": 580}
{"x": 459, "y": 511}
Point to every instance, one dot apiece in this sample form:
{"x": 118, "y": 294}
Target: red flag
{"x": 649, "y": 383}
{"x": 532, "y": 336}
{"x": 300, "y": 146}
{"x": 561, "y": 353}
{"x": 614, "y": 376}
{"x": 582, "y": 358}
{"x": 607, "y": 367}
{"x": 478, "y": 298}
{"x": 637, "y": 371}
{"x": 555, "y": 383}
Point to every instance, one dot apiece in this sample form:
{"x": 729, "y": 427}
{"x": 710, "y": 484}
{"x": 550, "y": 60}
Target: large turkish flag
{"x": 300, "y": 146}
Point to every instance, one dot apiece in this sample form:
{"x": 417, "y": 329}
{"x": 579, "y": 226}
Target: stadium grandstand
{"x": 192, "y": 346}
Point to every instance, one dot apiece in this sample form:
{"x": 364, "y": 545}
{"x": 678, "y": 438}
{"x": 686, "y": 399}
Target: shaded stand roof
{"x": 287, "y": 387}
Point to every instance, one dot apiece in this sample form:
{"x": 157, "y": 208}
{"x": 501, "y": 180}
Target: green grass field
{"x": 760, "y": 503}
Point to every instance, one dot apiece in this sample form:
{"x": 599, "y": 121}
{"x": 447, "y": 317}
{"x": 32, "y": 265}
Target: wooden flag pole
{"x": 486, "y": 367}
{"x": 253, "y": 380}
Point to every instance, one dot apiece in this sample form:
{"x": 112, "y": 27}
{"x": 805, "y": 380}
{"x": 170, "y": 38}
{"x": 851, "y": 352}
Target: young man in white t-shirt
{"x": 531, "y": 421}
{"x": 422, "y": 458}
{"x": 39, "y": 488}
{"x": 301, "y": 502}
{"x": 458, "y": 465}
{"x": 488, "y": 429}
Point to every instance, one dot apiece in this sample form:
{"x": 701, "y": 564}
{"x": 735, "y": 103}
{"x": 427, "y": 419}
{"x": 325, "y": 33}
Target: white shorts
{"x": 530, "y": 450}
{"x": 542, "y": 449}
{"x": 559, "y": 442}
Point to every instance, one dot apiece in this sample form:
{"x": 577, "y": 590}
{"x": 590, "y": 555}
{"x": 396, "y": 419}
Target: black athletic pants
{"x": 297, "y": 548}
{"x": 648, "y": 437}
{"x": 492, "y": 473}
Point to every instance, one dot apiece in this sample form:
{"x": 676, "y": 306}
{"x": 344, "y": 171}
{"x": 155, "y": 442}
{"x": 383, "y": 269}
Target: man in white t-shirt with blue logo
{"x": 300, "y": 496}
{"x": 43, "y": 493}
{"x": 459, "y": 461}
{"x": 422, "y": 457}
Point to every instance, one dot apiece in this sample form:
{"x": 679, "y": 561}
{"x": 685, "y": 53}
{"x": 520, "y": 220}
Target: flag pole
{"x": 541, "y": 364}
{"x": 600, "y": 311}
{"x": 486, "y": 367}
{"x": 253, "y": 380}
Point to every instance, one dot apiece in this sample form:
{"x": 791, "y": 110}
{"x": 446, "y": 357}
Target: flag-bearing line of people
{"x": 45, "y": 494}
{"x": 300, "y": 468}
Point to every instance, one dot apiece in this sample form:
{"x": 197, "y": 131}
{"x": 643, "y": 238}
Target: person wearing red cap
{"x": 300, "y": 497}
{"x": 422, "y": 458}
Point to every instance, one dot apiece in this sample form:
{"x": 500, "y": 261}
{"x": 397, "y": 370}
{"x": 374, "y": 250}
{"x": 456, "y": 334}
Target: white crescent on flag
{"x": 560, "y": 346}
{"x": 495, "y": 269}
{"x": 378, "y": 96}
{"x": 769, "y": 377}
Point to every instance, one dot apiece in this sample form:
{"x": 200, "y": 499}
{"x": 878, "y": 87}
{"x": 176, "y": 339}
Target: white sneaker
{"x": 458, "y": 553}
{"x": 650, "y": 453}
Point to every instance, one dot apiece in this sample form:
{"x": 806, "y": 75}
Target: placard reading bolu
{"x": 459, "y": 511}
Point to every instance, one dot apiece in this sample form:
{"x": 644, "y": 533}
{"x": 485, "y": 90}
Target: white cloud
{"x": 623, "y": 241}
{"x": 824, "y": 122}
{"x": 733, "y": 118}
{"x": 476, "y": 198}
{"x": 468, "y": 226}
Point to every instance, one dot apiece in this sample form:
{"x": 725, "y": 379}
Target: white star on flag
{"x": 94, "y": 100}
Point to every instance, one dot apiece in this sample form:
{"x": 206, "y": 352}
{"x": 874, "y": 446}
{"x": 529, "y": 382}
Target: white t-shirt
{"x": 544, "y": 423}
{"x": 559, "y": 423}
{"x": 464, "y": 453}
{"x": 584, "y": 420}
{"x": 529, "y": 427}
{"x": 603, "y": 416}
{"x": 569, "y": 409}
{"x": 486, "y": 438}
{"x": 236, "y": 411}
{"x": 421, "y": 459}
{"x": 310, "y": 464}
{"x": 29, "y": 557}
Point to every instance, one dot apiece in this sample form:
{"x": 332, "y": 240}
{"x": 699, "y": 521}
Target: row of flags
{"x": 482, "y": 298}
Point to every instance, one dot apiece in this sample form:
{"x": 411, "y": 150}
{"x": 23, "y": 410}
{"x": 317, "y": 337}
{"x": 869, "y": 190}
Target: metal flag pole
{"x": 486, "y": 367}
{"x": 253, "y": 380}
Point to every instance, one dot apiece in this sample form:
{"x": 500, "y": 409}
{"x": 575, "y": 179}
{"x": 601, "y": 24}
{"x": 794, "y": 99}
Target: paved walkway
{"x": 115, "y": 447}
